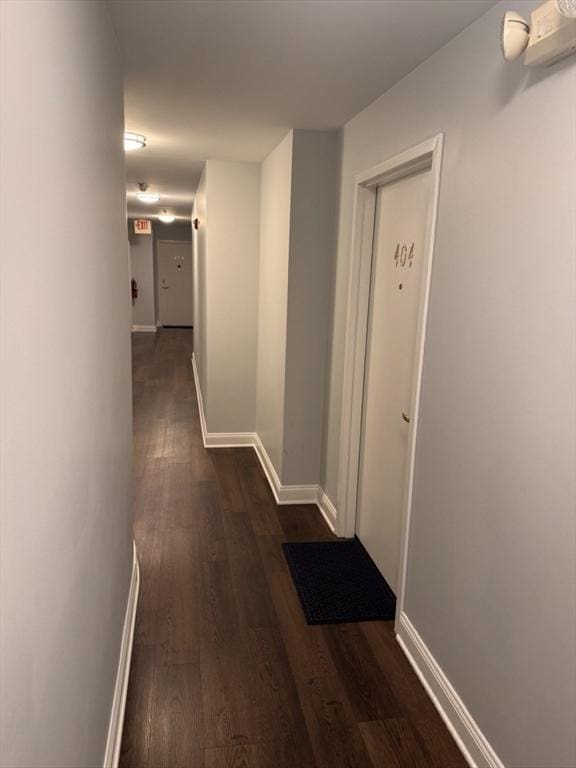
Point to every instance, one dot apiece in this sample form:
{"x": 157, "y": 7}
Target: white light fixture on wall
{"x": 144, "y": 196}
{"x": 547, "y": 38}
{"x": 133, "y": 141}
{"x": 166, "y": 218}
{"x": 515, "y": 35}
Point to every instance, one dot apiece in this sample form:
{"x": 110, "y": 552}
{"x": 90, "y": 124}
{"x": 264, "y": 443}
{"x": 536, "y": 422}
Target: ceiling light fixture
{"x": 144, "y": 196}
{"x": 133, "y": 141}
{"x": 166, "y": 218}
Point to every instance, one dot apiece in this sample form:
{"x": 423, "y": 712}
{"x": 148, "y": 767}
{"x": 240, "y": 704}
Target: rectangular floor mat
{"x": 338, "y": 582}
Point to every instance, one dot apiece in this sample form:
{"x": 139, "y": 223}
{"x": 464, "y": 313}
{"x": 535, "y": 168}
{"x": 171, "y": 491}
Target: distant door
{"x": 175, "y": 283}
{"x": 399, "y": 234}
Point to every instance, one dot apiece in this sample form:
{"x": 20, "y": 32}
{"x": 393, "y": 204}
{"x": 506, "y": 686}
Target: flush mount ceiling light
{"x": 166, "y": 218}
{"x": 144, "y": 196}
{"x": 133, "y": 141}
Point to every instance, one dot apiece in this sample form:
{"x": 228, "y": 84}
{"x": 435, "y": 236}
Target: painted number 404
{"x": 404, "y": 255}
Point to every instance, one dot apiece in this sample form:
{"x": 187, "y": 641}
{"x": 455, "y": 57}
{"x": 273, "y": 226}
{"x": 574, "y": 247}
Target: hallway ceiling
{"x": 227, "y": 79}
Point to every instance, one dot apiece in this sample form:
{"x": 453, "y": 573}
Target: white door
{"x": 175, "y": 283}
{"x": 399, "y": 233}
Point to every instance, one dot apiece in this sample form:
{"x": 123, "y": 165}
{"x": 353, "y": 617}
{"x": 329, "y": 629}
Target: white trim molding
{"x": 199, "y": 399}
{"x": 144, "y": 328}
{"x": 283, "y": 494}
{"x": 471, "y": 741}
{"x": 424, "y": 156}
{"x": 217, "y": 439}
{"x": 229, "y": 439}
{"x": 295, "y": 494}
{"x": 114, "y": 740}
{"x": 328, "y": 509}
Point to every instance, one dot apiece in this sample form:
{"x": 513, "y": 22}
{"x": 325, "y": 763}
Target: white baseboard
{"x": 114, "y": 741}
{"x": 199, "y": 398}
{"x": 229, "y": 439}
{"x": 217, "y": 439}
{"x": 473, "y": 744}
{"x": 147, "y": 328}
{"x": 327, "y": 508}
{"x": 283, "y": 494}
{"x": 295, "y": 494}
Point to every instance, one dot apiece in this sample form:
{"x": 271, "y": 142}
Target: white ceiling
{"x": 228, "y": 78}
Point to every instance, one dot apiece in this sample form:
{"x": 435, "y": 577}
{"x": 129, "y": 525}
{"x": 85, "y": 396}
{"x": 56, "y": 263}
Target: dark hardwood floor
{"x": 225, "y": 671}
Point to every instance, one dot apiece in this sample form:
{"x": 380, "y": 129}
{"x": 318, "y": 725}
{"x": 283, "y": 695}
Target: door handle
{"x": 406, "y": 418}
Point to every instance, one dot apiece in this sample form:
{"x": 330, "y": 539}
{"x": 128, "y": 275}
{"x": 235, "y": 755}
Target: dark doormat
{"x": 338, "y": 582}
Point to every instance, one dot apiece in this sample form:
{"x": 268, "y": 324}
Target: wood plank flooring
{"x": 225, "y": 671}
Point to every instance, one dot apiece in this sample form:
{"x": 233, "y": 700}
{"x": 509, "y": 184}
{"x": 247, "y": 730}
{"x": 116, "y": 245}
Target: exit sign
{"x": 142, "y": 226}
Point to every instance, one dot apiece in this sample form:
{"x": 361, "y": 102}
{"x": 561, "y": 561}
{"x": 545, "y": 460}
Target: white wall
{"x": 227, "y": 261}
{"x": 276, "y": 189}
{"x": 180, "y": 230}
{"x": 298, "y": 194}
{"x": 491, "y": 572}
{"x": 315, "y": 170}
{"x": 142, "y": 270}
{"x": 66, "y": 395}
{"x": 263, "y": 269}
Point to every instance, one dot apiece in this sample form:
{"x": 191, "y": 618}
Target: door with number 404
{"x": 400, "y": 226}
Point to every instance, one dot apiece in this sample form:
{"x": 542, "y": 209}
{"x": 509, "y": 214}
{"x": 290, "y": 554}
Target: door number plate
{"x": 404, "y": 256}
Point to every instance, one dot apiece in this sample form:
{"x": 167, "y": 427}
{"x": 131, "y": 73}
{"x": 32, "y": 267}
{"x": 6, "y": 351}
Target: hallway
{"x": 225, "y": 671}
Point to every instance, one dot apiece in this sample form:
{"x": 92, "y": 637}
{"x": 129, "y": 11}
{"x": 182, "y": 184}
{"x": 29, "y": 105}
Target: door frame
{"x": 157, "y": 273}
{"x": 427, "y": 155}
